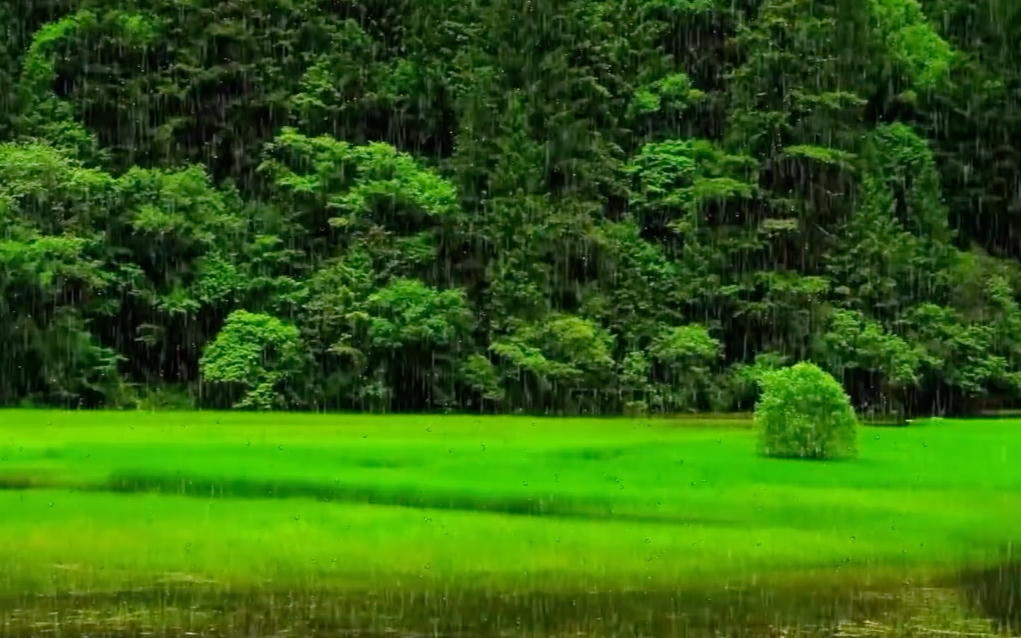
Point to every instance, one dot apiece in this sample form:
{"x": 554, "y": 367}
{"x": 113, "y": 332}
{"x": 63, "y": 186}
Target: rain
{"x": 510, "y": 318}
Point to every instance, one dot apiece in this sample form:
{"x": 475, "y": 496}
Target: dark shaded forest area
{"x": 560, "y": 206}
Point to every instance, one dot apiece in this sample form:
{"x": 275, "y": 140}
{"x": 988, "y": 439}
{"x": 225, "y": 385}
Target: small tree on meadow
{"x": 803, "y": 412}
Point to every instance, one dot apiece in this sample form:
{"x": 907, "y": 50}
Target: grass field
{"x": 242, "y": 502}
{"x": 354, "y": 500}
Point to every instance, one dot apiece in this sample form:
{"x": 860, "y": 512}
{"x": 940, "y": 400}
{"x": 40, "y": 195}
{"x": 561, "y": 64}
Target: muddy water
{"x": 981, "y": 604}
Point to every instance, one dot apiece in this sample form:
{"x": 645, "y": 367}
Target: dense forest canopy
{"x": 562, "y": 206}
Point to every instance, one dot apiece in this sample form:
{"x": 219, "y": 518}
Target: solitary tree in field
{"x": 803, "y": 412}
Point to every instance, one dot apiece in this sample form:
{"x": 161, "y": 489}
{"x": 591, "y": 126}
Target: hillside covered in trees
{"x": 561, "y": 206}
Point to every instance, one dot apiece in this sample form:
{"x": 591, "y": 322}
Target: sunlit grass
{"x": 120, "y": 500}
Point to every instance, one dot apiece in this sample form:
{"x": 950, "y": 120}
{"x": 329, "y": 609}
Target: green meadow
{"x": 232, "y": 502}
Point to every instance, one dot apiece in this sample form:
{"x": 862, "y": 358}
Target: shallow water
{"x": 981, "y": 604}
{"x": 996, "y": 593}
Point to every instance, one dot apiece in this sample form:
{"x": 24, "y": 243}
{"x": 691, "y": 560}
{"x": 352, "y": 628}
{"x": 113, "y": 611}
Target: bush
{"x": 803, "y": 412}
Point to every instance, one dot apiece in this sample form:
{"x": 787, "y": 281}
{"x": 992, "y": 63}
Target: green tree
{"x": 804, "y": 413}
{"x": 439, "y": 195}
{"x": 563, "y": 364}
{"x": 257, "y": 353}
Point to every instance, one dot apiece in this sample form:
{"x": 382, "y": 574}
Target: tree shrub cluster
{"x": 565, "y": 206}
{"x": 804, "y": 413}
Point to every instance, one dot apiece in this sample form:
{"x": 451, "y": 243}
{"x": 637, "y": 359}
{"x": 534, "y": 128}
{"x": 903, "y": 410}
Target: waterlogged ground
{"x": 822, "y": 612}
{"x": 228, "y": 524}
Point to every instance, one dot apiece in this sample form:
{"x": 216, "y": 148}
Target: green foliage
{"x": 673, "y": 92}
{"x": 684, "y": 345}
{"x": 407, "y": 312}
{"x": 804, "y": 413}
{"x": 160, "y": 399}
{"x": 684, "y": 359}
{"x": 685, "y": 174}
{"x": 258, "y": 352}
{"x": 44, "y": 113}
{"x": 559, "y": 205}
{"x": 562, "y": 363}
{"x": 483, "y": 377}
{"x": 959, "y": 354}
{"x": 741, "y": 384}
{"x": 563, "y": 347}
{"x": 822, "y": 154}
{"x": 912, "y": 40}
{"x": 854, "y": 342}
{"x": 904, "y": 166}
{"x": 353, "y": 181}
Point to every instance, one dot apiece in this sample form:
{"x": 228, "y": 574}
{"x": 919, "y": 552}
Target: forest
{"x": 540, "y": 206}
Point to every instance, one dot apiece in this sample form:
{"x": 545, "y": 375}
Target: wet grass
{"x": 541, "y": 510}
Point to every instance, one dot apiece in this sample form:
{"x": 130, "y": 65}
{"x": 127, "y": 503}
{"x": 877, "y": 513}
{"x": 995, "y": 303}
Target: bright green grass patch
{"x": 114, "y": 500}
